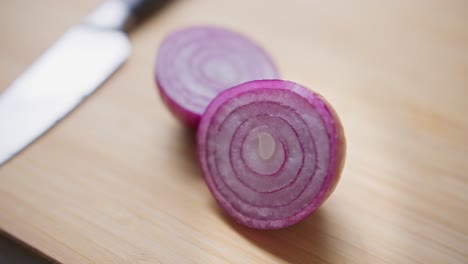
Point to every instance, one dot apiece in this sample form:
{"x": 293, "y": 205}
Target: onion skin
{"x": 317, "y": 189}
{"x": 196, "y": 63}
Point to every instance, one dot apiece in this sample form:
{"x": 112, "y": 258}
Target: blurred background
{"x": 117, "y": 180}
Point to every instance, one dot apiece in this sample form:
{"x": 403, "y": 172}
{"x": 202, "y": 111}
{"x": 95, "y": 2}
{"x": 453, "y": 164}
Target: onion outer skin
{"x": 336, "y": 163}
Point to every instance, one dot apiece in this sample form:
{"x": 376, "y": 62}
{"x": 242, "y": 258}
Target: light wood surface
{"x": 117, "y": 181}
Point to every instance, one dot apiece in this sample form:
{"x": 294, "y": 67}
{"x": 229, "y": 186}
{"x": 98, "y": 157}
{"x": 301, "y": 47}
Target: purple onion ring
{"x": 271, "y": 152}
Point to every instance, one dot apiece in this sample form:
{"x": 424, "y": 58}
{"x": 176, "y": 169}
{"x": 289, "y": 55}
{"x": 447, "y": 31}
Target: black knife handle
{"x": 141, "y": 9}
{"x": 122, "y": 14}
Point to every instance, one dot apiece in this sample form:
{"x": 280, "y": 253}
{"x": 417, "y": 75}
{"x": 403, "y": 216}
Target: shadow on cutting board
{"x": 187, "y": 146}
{"x": 305, "y": 242}
{"x": 13, "y": 251}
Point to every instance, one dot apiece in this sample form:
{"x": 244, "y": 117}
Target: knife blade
{"x": 69, "y": 71}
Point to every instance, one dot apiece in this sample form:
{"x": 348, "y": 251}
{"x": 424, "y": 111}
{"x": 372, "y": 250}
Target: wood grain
{"x": 117, "y": 181}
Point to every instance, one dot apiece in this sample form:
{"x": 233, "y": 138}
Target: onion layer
{"x": 271, "y": 152}
{"x": 195, "y": 64}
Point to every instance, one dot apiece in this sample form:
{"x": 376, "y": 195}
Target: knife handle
{"x": 122, "y": 14}
{"x": 141, "y": 9}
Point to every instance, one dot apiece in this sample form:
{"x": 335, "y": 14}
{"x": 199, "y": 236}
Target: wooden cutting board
{"x": 117, "y": 181}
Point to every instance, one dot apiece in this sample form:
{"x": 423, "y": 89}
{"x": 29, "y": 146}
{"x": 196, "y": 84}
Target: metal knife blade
{"x": 58, "y": 81}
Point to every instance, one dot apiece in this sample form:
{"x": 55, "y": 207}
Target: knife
{"x": 69, "y": 71}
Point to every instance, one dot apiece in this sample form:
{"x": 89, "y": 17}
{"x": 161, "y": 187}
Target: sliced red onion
{"x": 271, "y": 152}
{"x": 197, "y": 63}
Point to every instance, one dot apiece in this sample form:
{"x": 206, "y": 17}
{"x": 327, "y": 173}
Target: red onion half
{"x": 197, "y": 63}
{"x": 271, "y": 152}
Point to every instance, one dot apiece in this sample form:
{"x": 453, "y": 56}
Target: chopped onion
{"x": 197, "y": 63}
{"x": 271, "y": 152}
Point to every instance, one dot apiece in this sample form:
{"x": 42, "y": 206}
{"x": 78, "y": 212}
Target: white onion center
{"x": 263, "y": 153}
{"x": 266, "y": 145}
